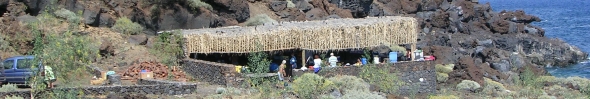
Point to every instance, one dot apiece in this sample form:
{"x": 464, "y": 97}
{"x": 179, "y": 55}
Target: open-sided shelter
{"x": 333, "y": 34}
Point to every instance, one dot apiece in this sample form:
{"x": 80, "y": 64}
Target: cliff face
{"x": 482, "y": 43}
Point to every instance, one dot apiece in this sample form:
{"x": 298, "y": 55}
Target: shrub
{"x": 444, "y": 97}
{"x": 442, "y": 77}
{"x": 259, "y": 20}
{"x": 355, "y": 94}
{"x": 382, "y": 78}
{"x": 67, "y": 14}
{"x": 468, "y": 85}
{"x": 493, "y": 86}
{"x": 400, "y": 49}
{"x": 349, "y": 83}
{"x": 196, "y": 4}
{"x": 8, "y": 88}
{"x": 126, "y": 26}
{"x": 168, "y": 48}
{"x": 444, "y": 68}
{"x": 530, "y": 92}
{"x": 68, "y": 54}
{"x": 13, "y": 97}
{"x": 220, "y": 90}
{"x": 326, "y": 96}
{"x": 308, "y": 85}
{"x": 546, "y": 97}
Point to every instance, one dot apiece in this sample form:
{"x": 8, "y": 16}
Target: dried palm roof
{"x": 334, "y": 34}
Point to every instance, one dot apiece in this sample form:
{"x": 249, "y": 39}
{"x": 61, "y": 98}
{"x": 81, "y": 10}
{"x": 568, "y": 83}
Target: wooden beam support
{"x": 413, "y": 49}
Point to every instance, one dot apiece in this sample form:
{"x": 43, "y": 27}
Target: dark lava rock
{"x": 278, "y": 5}
{"x": 232, "y": 9}
{"x": 358, "y": 8}
{"x": 291, "y": 14}
{"x": 140, "y": 39}
{"x": 466, "y": 69}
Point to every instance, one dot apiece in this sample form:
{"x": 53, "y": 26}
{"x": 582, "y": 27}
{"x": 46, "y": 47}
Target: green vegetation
{"x": 72, "y": 18}
{"x": 400, "y": 49}
{"x": 468, "y": 85}
{"x": 355, "y": 94}
{"x": 444, "y": 97}
{"x": 492, "y": 86}
{"x": 196, "y": 4}
{"x": 167, "y": 47}
{"x": 8, "y": 87}
{"x": 259, "y": 20}
{"x": 442, "y": 77}
{"x": 125, "y": 26}
{"x": 350, "y": 83}
{"x": 310, "y": 85}
{"x": 387, "y": 82}
{"x": 13, "y": 97}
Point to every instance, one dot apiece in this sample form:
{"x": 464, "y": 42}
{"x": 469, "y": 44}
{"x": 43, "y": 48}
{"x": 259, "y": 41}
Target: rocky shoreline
{"x": 481, "y": 41}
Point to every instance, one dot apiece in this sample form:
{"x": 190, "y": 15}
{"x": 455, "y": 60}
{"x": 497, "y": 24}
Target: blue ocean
{"x": 568, "y": 20}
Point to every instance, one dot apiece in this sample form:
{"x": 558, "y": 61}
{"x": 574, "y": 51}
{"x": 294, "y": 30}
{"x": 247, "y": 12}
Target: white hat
{"x": 284, "y": 61}
{"x": 331, "y": 54}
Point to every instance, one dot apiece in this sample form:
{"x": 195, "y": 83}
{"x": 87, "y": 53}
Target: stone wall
{"x": 144, "y": 86}
{"x": 212, "y": 72}
{"x": 409, "y": 72}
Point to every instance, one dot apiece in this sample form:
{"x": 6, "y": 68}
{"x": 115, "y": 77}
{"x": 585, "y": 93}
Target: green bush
{"x": 444, "y": 68}
{"x": 259, "y": 20}
{"x": 468, "y": 85}
{"x": 220, "y": 90}
{"x": 126, "y": 26}
{"x": 355, "y": 94}
{"x": 68, "y": 15}
{"x": 442, "y": 77}
{"x": 196, "y": 4}
{"x": 8, "y": 88}
{"x": 382, "y": 78}
{"x": 400, "y": 49}
{"x": 350, "y": 83}
{"x": 492, "y": 86}
{"x": 326, "y": 96}
{"x": 545, "y": 96}
{"x": 168, "y": 47}
{"x": 444, "y": 97}
{"x": 309, "y": 85}
{"x": 13, "y": 97}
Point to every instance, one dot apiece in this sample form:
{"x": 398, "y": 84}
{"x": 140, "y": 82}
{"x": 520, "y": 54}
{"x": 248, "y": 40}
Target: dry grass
{"x": 311, "y": 35}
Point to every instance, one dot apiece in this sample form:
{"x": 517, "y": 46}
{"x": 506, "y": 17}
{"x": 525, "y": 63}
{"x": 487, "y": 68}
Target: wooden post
{"x": 303, "y": 58}
{"x": 412, "y": 49}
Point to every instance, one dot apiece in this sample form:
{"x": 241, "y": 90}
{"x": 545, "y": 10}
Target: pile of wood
{"x": 160, "y": 71}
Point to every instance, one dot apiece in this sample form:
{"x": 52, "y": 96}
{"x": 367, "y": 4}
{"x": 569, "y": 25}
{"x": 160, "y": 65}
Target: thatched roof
{"x": 331, "y": 34}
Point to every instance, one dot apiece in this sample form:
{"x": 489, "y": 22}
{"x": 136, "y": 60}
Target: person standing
{"x": 333, "y": 60}
{"x": 293, "y": 63}
{"x": 317, "y": 64}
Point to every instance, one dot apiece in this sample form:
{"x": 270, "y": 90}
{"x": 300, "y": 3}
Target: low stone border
{"x": 145, "y": 86}
{"x": 420, "y": 75}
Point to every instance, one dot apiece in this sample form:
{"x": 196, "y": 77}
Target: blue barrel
{"x": 393, "y": 57}
{"x": 274, "y": 67}
{"x": 364, "y": 61}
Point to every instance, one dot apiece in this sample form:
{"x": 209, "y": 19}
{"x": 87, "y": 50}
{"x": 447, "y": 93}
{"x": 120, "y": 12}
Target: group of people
{"x": 316, "y": 63}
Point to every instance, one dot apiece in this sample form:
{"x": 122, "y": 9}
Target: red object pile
{"x": 160, "y": 71}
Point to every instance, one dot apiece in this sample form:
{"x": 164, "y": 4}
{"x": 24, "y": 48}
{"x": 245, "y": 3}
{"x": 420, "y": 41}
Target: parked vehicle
{"x": 17, "y": 70}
